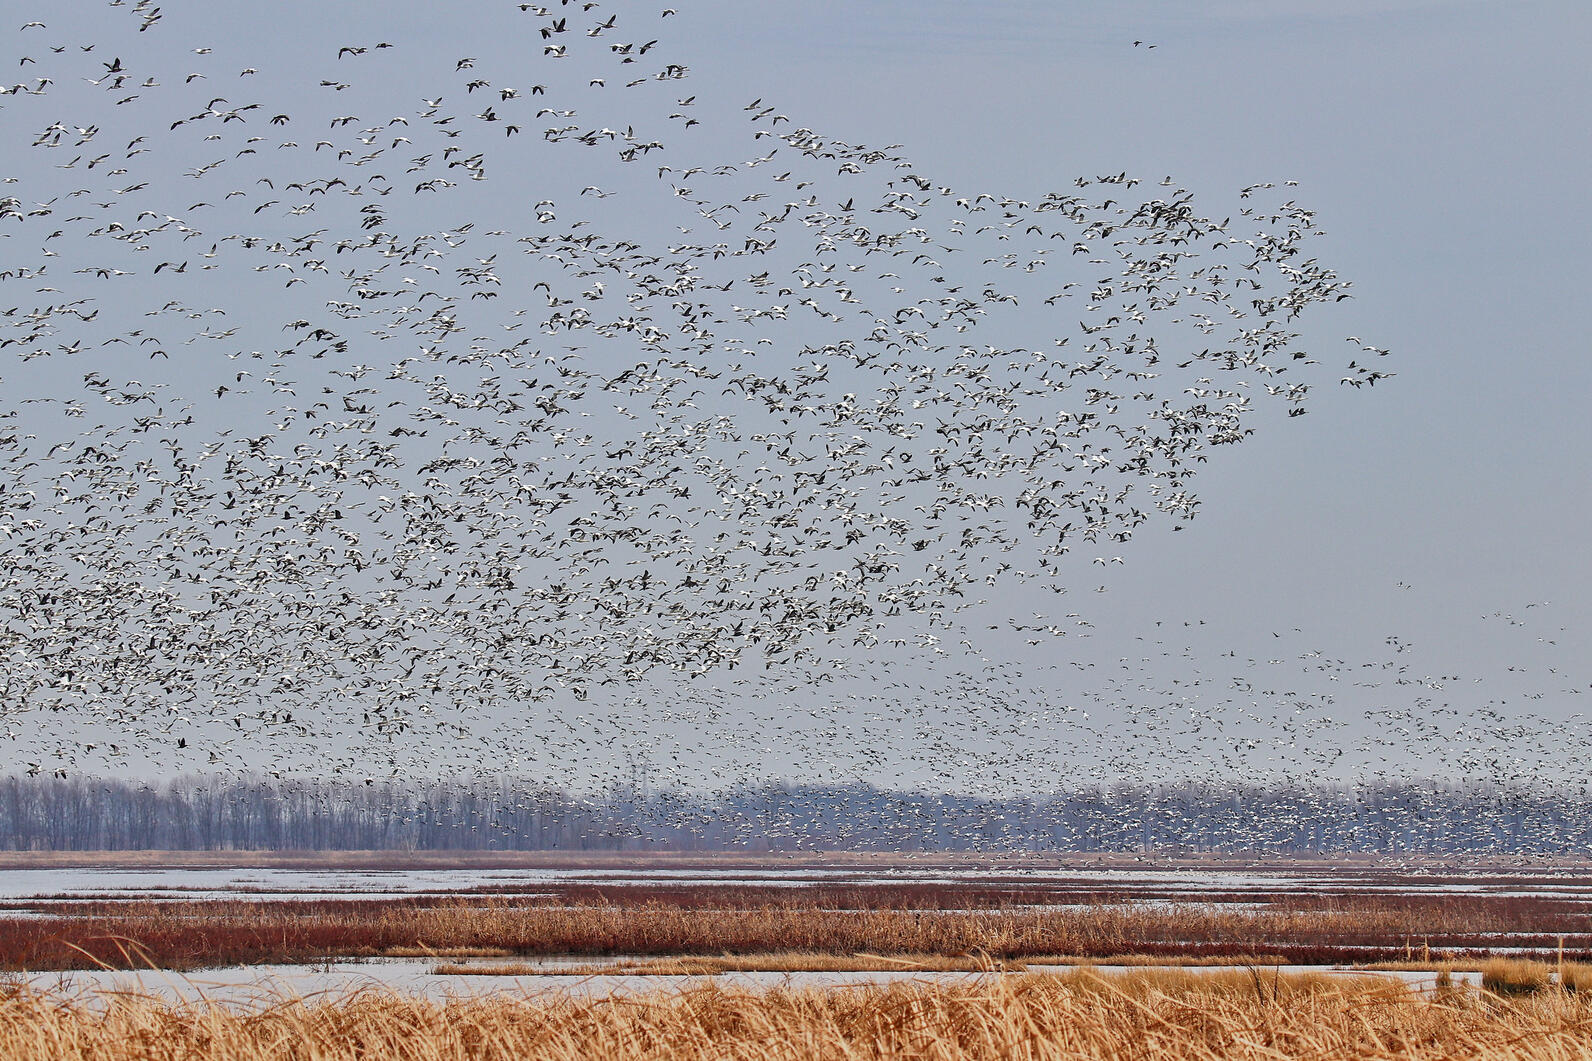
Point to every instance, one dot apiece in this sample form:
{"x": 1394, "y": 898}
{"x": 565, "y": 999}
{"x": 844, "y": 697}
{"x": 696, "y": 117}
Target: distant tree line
{"x": 214, "y": 813}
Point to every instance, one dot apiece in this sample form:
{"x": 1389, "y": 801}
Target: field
{"x": 1153, "y": 1016}
{"x": 691, "y": 956}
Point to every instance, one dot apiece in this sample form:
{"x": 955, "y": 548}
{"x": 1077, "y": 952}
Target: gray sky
{"x": 1394, "y": 584}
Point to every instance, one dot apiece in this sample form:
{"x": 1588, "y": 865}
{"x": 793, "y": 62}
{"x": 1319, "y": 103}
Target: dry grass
{"x": 1575, "y": 976}
{"x": 194, "y": 935}
{"x": 1160, "y": 960}
{"x": 1142, "y": 1017}
{"x": 189, "y": 935}
{"x": 777, "y": 962}
{"x": 1513, "y": 976}
{"x": 1418, "y": 966}
{"x": 447, "y": 952}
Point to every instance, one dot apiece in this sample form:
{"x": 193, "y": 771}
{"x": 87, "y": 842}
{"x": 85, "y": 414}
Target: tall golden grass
{"x": 1575, "y": 976}
{"x": 1153, "y": 1017}
{"x": 1514, "y": 976}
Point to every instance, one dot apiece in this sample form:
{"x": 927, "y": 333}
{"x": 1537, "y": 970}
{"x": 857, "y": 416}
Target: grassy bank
{"x": 1149, "y": 1016}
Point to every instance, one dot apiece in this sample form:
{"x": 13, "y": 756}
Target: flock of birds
{"x": 350, "y": 391}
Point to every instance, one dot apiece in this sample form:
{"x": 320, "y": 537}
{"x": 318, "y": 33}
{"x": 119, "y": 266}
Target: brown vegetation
{"x": 1142, "y": 1017}
{"x": 1575, "y": 976}
{"x": 776, "y": 962}
{"x": 1512, "y": 976}
{"x": 187, "y": 935}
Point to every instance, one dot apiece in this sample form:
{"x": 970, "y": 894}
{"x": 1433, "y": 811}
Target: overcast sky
{"x": 1396, "y": 584}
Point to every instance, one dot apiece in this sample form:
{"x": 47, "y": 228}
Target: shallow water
{"x": 251, "y": 986}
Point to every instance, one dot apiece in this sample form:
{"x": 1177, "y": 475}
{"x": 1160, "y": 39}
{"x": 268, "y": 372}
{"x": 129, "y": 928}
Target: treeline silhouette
{"x": 257, "y": 813}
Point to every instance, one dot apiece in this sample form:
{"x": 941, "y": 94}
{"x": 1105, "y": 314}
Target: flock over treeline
{"x": 208, "y": 813}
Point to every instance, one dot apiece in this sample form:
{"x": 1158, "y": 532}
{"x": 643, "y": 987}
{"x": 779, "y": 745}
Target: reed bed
{"x": 200, "y": 934}
{"x": 1576, "y": 976}
{"x": 776, "y": 962}
{"x": 1140, "y": 1017}
{"x": 1513, "y": 976}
